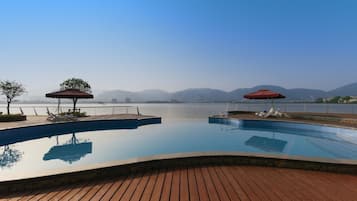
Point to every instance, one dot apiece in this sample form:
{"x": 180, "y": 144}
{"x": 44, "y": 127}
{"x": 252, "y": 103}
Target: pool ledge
{"x": 118, "y": 168}
{"x": 334, "y": 125}
{"x": 42, "y": 120}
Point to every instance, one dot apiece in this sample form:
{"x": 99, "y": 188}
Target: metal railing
{"x": 89, "y": 110}
{"x": 297, "y": 107}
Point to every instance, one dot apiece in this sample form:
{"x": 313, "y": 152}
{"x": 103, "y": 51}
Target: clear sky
{"x": 178, "y": 44}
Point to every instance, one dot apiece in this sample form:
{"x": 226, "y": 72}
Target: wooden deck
{"x": 208, "y": 183}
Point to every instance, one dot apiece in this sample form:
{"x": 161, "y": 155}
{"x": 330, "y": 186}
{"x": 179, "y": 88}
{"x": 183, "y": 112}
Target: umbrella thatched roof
{"x": 69, "y": 93}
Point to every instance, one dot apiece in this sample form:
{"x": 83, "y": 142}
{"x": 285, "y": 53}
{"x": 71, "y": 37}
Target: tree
{"x": 76, "y": 83}
{"x": 11, "y": 89}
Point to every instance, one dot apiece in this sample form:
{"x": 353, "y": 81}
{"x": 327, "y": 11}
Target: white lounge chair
{"x": 269, "y": 113}
{"x": 55, "y": 118}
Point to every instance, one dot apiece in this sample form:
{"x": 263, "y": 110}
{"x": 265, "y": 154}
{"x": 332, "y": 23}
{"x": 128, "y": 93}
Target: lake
{"x": 183, "y": 110}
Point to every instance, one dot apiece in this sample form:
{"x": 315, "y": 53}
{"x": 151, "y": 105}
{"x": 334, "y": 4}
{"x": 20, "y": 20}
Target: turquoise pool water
{"x": 77, "y": 149}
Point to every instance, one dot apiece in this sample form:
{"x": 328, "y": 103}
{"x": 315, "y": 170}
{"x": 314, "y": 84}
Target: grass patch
{"x": 12, "y": 117}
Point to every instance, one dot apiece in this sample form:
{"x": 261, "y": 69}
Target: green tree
{"x": 76, "y": 83}
{"x": 11, "y": 89}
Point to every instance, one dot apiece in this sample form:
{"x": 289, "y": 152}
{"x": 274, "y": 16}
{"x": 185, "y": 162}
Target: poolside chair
{"x": 55, "y": 118}
{"x": 269, "y": 113}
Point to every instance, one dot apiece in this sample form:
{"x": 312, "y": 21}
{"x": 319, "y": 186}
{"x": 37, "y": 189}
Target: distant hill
{"x": 215, "y": 95}
{"x": 141, "y": 96}
{"x": 201, "y": 95}
{"x": 347, "y": 90}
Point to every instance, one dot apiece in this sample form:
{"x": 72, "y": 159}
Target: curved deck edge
{"x": 173, "y": 161}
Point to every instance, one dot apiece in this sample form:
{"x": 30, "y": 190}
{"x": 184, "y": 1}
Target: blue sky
{"x": 177, "y": 44}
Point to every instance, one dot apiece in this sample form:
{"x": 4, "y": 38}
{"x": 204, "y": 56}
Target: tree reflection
{"x": 9, "y": 157}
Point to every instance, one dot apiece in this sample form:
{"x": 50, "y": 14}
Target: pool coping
{"x": 286, "y": 121}
{"x": 47, "y": 179}
{"x": 109, "y": 117}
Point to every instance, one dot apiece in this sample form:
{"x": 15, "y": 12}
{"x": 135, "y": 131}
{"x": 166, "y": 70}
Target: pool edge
{"x": 121, "y": 168}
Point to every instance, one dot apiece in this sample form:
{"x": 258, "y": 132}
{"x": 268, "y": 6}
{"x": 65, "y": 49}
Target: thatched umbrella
{"x": 73, "y": 94}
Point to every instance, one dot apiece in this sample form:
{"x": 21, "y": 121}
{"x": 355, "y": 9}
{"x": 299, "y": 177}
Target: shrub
{"x": 76, "y": 114}
{"x": 12, "y": 117}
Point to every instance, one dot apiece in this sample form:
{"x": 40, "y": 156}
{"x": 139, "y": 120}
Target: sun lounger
{"x": 269, "y": 113}
{"x": 55, "y": 118}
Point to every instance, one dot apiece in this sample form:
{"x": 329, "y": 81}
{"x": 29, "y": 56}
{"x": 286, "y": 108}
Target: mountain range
{"x": 215, "y": 95}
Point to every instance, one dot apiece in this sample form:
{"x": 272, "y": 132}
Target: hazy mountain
{"x": 211, "y": 95}
{"x": 201, "y": 95}
{"x": 347, "y": 90}
{"x": 141, "y": 96}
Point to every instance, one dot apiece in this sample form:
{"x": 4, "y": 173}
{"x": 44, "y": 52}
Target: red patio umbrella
{"x": 264, "y": 94}
{"x": 73, "y": 94}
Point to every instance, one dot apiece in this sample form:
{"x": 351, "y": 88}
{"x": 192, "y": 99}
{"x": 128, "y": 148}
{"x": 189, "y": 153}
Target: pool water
{"x": 181, "y": 136}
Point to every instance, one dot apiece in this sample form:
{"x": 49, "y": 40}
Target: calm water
{"x": 174, "y": 136}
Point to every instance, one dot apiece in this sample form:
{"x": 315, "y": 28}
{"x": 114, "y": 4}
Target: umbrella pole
{"x": 58, "y": 106}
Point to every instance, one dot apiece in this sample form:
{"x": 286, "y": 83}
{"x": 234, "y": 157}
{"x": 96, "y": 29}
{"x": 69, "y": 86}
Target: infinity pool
{"x": 80, "y": 149}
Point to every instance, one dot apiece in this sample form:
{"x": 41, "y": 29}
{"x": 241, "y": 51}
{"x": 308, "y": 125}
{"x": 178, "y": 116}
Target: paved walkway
{"x": 39, "y": 120}
{"x": 339, "y": 120}
{"x": 208, "y": 183}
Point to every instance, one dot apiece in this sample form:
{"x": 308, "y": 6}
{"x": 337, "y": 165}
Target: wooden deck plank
{"x": 309, "y": 185}
{"x": 95, "y": 188}
{"x": 202, "y": 189}
{"x": 192, "y": 183}
{"x": 166, "y": 190}
{"x": 52, "y": 194}
{"x": 339, "y": 191}
{"x": 81, "y": 193}
{"x": 30, "y": 195}
{"x": 99, "y": 195}
{"x": 131, "y": 188}
{"x": 175, "y": 186}
{"x": 12, "y": 198}
{"x": 158, "y": 188}
{"x": 256, "y": 183}
{"x": 261, "y": 180}
{"x": 122, "y": 189}
{"x": 184, "y": 188}
{"x": 345, "y": 181}
{"x": 252, "y": 193}
{"x": 211, "y": 189}
{"x": 113, "y": 188}
{"x": 40, "y": 195}
{"x": 68, "y": 193}
{"x": 296, "y": 191}
{"x": 299, "y": 187}
{"x": 140, "y": 188}
{"x": 236, "y": 186}
{"x": 233, "y": 196}
{"x": 221, "y": 191}
{"x": 63, "y": 192}
{"x": 149, "y": 187}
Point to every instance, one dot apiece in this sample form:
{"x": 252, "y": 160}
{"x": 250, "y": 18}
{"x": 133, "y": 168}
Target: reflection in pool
{"x": 9, "y": 156}
{"x": 266, "y": 144}
{"x": 71, "y": 151}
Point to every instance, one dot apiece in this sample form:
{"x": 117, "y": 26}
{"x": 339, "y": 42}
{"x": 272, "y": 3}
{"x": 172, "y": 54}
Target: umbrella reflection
{"x": 9, "y": 157}
{"x": 73, "y": 150}
{"x": 266, "y": 144}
